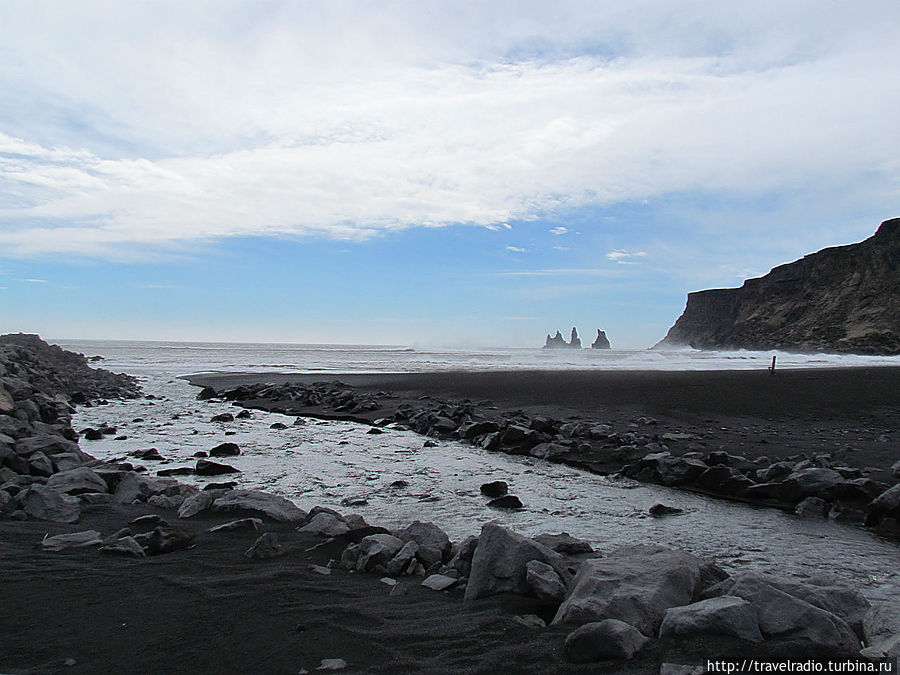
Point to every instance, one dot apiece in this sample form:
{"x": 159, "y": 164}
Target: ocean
{"x": 181, "y": 358}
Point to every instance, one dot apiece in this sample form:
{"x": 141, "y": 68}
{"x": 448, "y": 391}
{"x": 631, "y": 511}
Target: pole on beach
{"x": 772, "y": 367}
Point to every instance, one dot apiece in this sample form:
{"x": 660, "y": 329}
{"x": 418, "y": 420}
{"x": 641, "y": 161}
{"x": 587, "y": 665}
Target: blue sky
{"x": 451, "y": 174}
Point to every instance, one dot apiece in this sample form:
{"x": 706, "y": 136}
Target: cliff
{"x": 559, "y": 342}
{"x": 844, "y": 299}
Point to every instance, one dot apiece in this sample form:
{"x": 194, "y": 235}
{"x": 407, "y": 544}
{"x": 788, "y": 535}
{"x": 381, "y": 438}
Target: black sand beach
{"x": 851, "y": 413}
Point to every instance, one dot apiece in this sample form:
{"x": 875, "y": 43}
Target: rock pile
{"x": 813, "y": 486}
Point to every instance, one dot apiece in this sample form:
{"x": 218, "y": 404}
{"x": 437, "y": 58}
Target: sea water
{"x": 396, "y": 480}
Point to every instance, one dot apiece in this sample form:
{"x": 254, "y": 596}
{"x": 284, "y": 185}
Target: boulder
{"x": 881, "y": 627}
{"x": 198, "y": 502}
{"x": 887, "y": 504}
{"x": 134, "y": 486}
{"x": 833, "y": 596}
{"x": 10, "y": 459}
{"x": 77, "y": 481}
{"x": 427, "y": 536}
{"x": 271, "y": 506}
{"x": 74, "y": 540}
{"x": 400, "y": 562}
{"x": 786, "y": 618}
{"x": 49, "y": 445}
{"x": 809, "y": 482}
{"x": 225, "y": 450}
{"x": 267, "y": 546}
{"x": 506, "y": 502}
{"x": 124, "y": 546}
{"x": 544, "y": 581}
{"x": 43, "y": 503}
{"x": 659, "y": 510}
{"x": 439, "y": 582}
{"x": 205, "y": 467}
{"x": 679, "y": 470}
{"x": 812, "y": 507}
{"x": 564, "y": 543}
{"x": 223, "y": 417}
{"x": 39, "y": 464}
{"x": 603, "y": 640}
{"x": 497, "y": 488}
{"x": 164, "y": 539}
{"x": 724, "y": 480}
{"x": 326, "y": 525}
{"x": 548, "y": 450}
{"x": 377, "y": 549}
{"x": 722, "y": 615}
{"x": 500, "y": 560}
{"x": 635, "y": 584}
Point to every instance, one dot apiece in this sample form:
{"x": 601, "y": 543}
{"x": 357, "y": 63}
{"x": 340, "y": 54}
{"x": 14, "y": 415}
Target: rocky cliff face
{"x": 844, "y": 299}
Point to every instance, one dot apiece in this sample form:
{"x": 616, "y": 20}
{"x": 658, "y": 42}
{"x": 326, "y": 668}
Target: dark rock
{"x": 240, "y": 524}
{"x": 176, "y": 471}
{"x": 148, "y": 454}
{"x": 497, "y": 488}
{"x": 206, "y": 393}
{"x": 602, "y": 640}
{"x": 61, "y": 542}
{"x": 544, "y": 581}
{"x": 92, "y": 434}
{"x": 207, "y": 468}
{"x": 267, "y": 546}
{"x": 564, "y": 543}
{"x": 127, "y": 546}
{"x": 230, "y": 485}
{"x": 223, "y": 417}
{"x": 166, "y": 539}
{"x": 506, "y": 502}
{"x": 225, "y": 450}
{"x": 149, "y": 521}
{"x": 244, "y": 415}
{"x": 658, "y": 510}
{"x": 77, "y": 481}
{"x": 374, "y": 431}
{"x": 559, "y": 342}
{"x": 278, "y": 425}
{"x": 602, "y": 342}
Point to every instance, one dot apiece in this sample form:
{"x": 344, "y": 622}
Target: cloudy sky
{"x": 428, "y": 172}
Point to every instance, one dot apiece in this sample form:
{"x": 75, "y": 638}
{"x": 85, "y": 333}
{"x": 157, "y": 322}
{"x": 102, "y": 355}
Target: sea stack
{"x": 844, "y": 299}
{"x": 559, "y": 342}
{"x": 602, "y": 342}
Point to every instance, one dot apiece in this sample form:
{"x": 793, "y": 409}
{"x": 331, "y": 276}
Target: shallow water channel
{"x": 323, "y": 462}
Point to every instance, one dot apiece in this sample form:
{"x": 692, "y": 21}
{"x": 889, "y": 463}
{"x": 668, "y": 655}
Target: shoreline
{"x": 838, "y": 423}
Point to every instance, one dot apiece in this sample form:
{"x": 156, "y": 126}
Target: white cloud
{"x": 560, "y": 248}
{"x": 147, "y": 126}
{"x": 558, "y": 230}
{"x": 34, "y": 281}
{"x": 516, "y": 249}
{"x": 625, "y": 257}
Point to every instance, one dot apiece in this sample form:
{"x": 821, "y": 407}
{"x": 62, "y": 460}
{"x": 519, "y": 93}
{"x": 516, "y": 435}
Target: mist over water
{"x": 324, "y": 462}
{"x": 181, "y": 358}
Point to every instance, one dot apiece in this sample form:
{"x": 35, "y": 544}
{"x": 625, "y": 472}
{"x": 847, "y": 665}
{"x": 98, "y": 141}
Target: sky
{"x": 465, "y": 174}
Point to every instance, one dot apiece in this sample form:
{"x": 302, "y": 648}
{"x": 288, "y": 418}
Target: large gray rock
{"x": 127, "y": 546}
{"x": 272, "y": 506}
{"x": 61, "y": 542}
{"x": 400, "y": 562}
{"x": 377, "y": 549}
{"x": 77, "y": 481}
{"x": 635, "y": 584}
{"x": 326, "y": 525}
{"x": 833, "y": 596}
{"x": 134, "y": 486}
{"x": 39, "y": 464}
{"x": 601, "y": 640}
{"x": 881, "y": 627}
{"x": 198, "y": 502}
{"x": 49, "y": 445}
{"x": 809, "y": 482}
{"x": 500, "y": 559}
{"x": 45, "y": 503}
{"x": 267, "y": 546}
{"x": 427, "y": 536}
{"x": 787, "y": 618}
{"x": 544, "y": 581}
{"x": 723, "y": 615}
